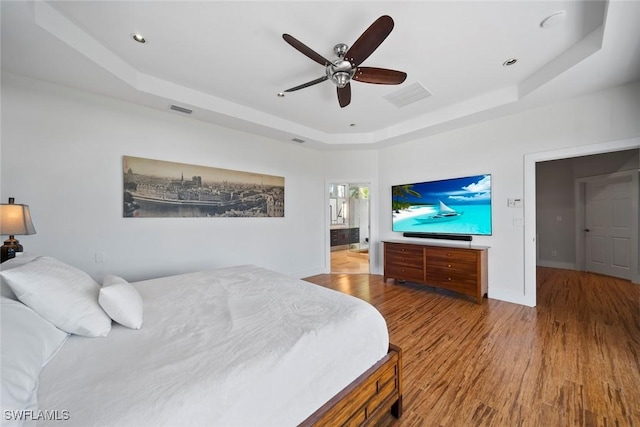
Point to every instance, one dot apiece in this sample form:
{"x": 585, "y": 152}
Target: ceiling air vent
{"x": 408, "y": 95}
{"x": 181, "y": 109}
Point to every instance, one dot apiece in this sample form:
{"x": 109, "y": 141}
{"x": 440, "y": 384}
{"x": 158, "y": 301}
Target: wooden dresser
{"x": 456, "y": 268}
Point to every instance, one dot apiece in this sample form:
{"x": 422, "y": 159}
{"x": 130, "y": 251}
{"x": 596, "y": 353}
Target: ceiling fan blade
{"x": 369, "y": 40}
{"x": 306, "y": 50}
{"x": 344, "y": 95}
{"x": 307, "y": 84}
{"x": 380, "y": 76}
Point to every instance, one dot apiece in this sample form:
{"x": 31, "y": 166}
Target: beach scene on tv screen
{"x": 451, "y": 206}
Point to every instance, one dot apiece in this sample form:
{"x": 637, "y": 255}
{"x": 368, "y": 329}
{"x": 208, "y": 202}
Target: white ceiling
{"x": 227, "y": 60}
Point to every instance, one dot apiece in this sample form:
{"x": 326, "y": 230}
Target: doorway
{"x": 349, "y": 225}
{"x": 530, "y": 237}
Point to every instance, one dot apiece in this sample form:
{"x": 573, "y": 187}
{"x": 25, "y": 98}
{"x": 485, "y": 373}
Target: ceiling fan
{"x": 347, "y": 66}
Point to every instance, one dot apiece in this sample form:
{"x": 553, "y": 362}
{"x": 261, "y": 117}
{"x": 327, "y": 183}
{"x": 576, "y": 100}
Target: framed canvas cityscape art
{"x": 157, "y": 188}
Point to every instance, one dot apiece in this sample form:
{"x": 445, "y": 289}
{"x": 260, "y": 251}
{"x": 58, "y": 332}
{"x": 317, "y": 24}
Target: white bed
{"x": 238, "y": 346}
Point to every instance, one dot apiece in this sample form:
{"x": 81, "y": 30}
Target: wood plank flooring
{"x": 346, "y": 261}
{"x": 574, "y": 360}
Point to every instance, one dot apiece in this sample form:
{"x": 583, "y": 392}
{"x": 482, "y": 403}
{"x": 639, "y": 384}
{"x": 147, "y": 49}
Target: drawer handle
{"x": 449, "y": 278}
{"x": 449, "y": 265}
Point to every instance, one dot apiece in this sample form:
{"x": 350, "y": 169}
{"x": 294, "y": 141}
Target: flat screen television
{"x": 455, "y": 207}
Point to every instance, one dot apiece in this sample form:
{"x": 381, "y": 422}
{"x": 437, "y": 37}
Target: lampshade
{"x": 15, "y": 220}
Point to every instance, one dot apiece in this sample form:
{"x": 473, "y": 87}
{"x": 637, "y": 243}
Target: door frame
{"x": 530, "y": 161}
{"x": 327, "y": 220}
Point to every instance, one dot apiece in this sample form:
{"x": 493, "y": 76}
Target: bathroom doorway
{"x": 349, "y": 227}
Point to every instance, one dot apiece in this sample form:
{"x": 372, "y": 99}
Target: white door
{"x": 608, "y": 216}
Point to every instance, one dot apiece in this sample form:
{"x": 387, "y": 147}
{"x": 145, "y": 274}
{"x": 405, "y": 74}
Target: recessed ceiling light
{"x": 553, "y": 19}
{"x": 352, "y": 125}
{"x": 509, "y": 62}
{"x": 281, "y": 94}
{"x": 139, "y": 38}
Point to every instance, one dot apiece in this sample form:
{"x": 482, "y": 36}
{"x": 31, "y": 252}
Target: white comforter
{"x": 240, "y": 346}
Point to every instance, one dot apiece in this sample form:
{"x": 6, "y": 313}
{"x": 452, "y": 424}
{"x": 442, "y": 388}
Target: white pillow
{"x": 28, "y": 343}
{"x": 63, "y": 295}
{"x": 121, "y": 301}
{"x": 21, "y": 258}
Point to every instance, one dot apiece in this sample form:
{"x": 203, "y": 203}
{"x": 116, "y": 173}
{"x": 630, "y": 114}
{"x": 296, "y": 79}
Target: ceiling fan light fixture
{"x": 347, "y": 66}
{"x": 341, "y": 78}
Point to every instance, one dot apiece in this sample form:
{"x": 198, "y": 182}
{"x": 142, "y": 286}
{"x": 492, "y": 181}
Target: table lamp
{"x": 14, "y": 220}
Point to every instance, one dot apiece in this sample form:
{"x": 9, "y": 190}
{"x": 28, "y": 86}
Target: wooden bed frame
{"x": 367, "y": 399}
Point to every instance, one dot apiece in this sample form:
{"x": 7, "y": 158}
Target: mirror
{"x": 338, "y": 204}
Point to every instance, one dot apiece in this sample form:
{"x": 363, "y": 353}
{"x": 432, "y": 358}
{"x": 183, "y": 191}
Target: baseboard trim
{"x": 556, "y": 264}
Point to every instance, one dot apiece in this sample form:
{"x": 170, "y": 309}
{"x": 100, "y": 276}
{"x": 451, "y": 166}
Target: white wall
{"x": 498, "y": 147}
{"x": 62, "y": 155}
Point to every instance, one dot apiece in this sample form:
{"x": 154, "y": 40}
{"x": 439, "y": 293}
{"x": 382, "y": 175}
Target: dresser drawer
{"x": 451, "y": 284}
{"x": 456, "y": 276}
{"x": 451, "y": 254}
{"x": 404, "y": 273}
{"x": 404, "y": 250}
{"x": 404, "y": 259}
{"x": 453, "y": 267}
{"x": 444, "y": 276}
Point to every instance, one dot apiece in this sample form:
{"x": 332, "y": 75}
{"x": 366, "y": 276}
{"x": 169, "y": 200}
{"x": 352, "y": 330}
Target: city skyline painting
{"x": 158, "y": 188}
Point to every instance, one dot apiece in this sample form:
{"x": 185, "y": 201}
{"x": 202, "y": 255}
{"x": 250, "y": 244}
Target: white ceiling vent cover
{"x": 408, "y": 95}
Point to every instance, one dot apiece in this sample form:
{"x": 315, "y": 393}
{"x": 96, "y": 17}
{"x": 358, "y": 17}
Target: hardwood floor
{"x": 346, "y": 261}
{"x": 574, "y": 360}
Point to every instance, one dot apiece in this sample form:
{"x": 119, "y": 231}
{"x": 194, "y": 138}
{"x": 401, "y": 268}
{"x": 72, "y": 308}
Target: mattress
{"x": 239, "y": 346}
